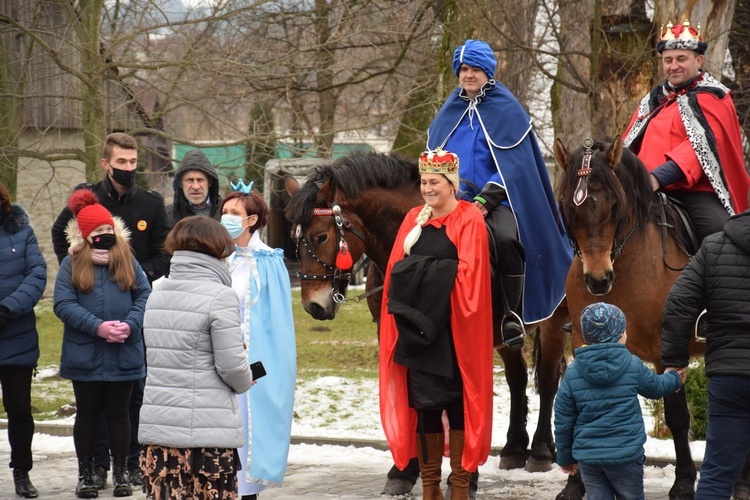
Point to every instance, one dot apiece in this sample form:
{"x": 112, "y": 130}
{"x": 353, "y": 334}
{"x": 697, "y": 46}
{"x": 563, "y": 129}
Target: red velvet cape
{"x": 665, "y": 139}
{"x": 471, "y": 326}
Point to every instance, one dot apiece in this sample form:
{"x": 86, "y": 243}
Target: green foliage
{"x": 696, "y": 392}
{"x": 696, "y": 387}
{"x": 345, "y": 347}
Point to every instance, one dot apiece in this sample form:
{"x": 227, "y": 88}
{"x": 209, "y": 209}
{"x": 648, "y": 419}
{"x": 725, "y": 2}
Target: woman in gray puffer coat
{"x": 190, "y": 425}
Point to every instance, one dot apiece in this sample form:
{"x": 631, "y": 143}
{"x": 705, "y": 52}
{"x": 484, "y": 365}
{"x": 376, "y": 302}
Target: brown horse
{"x": 361, "y": 200}
{"x": 629, "y": 254}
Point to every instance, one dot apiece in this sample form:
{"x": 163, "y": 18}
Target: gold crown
{"x": 438, "y": 162}
{"x": 681, "y": 32}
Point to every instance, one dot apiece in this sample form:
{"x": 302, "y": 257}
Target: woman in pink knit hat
{"x": 100, "y": 295}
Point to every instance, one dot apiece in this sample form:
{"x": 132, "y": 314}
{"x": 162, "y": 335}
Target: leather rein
{"x": 339, "y": 276}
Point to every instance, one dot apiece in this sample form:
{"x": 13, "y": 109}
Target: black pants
{"x": 16, "y": 386}
{"x": 101, "y": 455}
{"x": 705, "y": 210}
{"x": 433, "y": 419}
{"x": 501, "y": 223}
{"x": 93, "y": 398}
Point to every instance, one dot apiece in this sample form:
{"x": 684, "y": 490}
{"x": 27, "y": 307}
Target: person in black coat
{"x": 717, "y": 279}
{"x": 23, "y": 276}
{"x": 196, "y": 189}
{"x": 145, "y": 215}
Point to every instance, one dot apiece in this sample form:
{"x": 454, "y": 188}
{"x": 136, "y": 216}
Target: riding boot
{"x": 512, "y": 327}
{"x": 24, "y": 488}
{"x": 460, "y": 476}
{"x": 120, "y": 479}
{"x": 429, "y": 465}
{"x": 86, "y": 487}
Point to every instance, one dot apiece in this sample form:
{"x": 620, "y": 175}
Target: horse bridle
{"x": 581, "y": 193}
{"x": 339, "y": 277}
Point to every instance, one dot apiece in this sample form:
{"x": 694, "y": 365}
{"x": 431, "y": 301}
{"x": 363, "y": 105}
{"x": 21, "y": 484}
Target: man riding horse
{"x": 687, "y": 134}
{"x": 502, "y": 172}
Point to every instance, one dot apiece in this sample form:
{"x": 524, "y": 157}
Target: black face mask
{"x": 124, "y": 178}
{"x": 103, "y": 241}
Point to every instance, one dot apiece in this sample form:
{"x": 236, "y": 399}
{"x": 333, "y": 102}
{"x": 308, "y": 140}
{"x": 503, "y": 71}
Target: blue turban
{"x": 602, "y": 322}
{"x": 475, "y": 53}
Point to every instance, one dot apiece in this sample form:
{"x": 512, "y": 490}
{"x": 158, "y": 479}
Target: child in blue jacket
{"x": 598, "y": 420}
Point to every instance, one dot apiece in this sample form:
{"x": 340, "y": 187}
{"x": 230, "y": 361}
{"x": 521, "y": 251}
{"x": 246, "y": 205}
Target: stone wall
{"x": 44, "y": 187}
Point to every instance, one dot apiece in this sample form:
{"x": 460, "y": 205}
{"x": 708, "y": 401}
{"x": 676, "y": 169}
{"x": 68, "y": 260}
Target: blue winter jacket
{"x": 598, "y": 418}
{"x": 23, "y": 276}
{"x": 87, "y": 357}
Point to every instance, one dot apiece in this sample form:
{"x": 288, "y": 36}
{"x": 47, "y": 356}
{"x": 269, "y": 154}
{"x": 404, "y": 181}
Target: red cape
{"x": 665, "y": 139}
{"x": 471, "y": 324}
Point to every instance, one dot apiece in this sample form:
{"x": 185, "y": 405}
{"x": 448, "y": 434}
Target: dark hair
{"x": 201, "y": 234}
{"x": 253, "y": 204}
{"x": 117, "y": 139}
{"x": 5, "y": 205}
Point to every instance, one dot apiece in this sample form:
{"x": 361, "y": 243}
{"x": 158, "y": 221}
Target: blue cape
{"x": 520, "y": 165}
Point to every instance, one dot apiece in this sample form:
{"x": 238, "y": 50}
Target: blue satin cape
{"x": 521, "y": 169}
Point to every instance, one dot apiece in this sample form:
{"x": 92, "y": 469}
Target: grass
{"x": 346, "y": 346}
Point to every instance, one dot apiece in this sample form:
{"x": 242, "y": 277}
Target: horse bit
{"x": 340, "y": 273}
{"x": 581, "y": 193}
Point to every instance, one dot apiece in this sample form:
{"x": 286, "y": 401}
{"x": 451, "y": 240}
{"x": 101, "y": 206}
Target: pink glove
{"x": 104, "y": 327}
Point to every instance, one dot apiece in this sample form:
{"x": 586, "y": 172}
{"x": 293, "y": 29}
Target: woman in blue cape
{"x": 502, "y": 171}
{"x": 262, "y": 282}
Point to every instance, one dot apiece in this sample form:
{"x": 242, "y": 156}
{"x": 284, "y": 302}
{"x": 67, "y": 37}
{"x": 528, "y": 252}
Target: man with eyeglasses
{"x": 145, "y": 216}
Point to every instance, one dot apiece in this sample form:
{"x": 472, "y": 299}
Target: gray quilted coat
{"x": 196, "y": 359}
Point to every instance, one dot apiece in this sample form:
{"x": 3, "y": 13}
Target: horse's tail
{"x": 537, "y": 357}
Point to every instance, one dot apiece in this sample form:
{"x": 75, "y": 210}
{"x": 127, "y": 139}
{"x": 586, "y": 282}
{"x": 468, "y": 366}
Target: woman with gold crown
{"x": 261, "y": 280}
{"x": 436, "y": 333}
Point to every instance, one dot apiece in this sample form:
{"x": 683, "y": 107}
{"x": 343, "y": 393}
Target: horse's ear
{"x": 614, "y": 155}
{"x": 292, "y": 185}
{"x": 561, "y": 154}
{"x": 326, "y": 192}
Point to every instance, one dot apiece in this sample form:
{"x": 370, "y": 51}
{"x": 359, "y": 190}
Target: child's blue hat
{"x": 602, "y": 322}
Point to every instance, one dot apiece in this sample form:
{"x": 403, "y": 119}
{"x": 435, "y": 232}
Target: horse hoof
{"x": 396, "y": 487}
{"x": 682, "y": 490}
{"x": 741, "y": 492}
{"x": 512, "y": 462}
{"x": 534, "y": 465}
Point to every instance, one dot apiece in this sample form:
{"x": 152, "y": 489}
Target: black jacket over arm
{"x": 716, "y": 279}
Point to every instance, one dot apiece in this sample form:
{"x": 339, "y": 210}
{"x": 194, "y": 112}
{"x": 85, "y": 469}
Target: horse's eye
{"x": 321, "y": 238}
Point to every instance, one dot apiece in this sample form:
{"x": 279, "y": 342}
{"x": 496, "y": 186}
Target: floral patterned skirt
{"x": 195, "y": 473}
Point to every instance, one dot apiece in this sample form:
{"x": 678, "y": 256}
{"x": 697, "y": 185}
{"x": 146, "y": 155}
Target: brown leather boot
{"x": 429, "y": 466}
{"x": 460, "y": 477}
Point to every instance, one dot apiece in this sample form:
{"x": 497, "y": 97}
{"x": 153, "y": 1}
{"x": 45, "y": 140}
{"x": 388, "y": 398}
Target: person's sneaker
{"x": 136, "y": 477}
{"x": 100, "y": 477}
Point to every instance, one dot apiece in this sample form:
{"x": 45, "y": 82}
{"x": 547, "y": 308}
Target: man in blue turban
{"x": 502, "y": 171}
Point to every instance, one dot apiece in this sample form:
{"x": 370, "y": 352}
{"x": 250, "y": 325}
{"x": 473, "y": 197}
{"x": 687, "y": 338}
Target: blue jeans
{"x": 727, "y": 436}
{"x": 605, "y": 482}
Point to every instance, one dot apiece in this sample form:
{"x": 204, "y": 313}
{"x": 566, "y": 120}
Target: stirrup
{"x": 513, "y": 343}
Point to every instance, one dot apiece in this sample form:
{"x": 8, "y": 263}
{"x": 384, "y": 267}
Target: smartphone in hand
{"x": 257, "y": 370}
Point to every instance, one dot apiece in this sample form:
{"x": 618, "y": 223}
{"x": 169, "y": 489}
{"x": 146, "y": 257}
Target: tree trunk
{"x": 9, "y": 122}
{"x": 93, "y": 121}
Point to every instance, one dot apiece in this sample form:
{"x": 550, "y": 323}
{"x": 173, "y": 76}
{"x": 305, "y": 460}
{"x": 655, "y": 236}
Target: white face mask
{"x": 233, "y": 224}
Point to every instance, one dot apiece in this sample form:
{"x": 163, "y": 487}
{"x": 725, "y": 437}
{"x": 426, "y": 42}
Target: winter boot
{"x": 512, "y": 328}
{"x": 100, "y": 477}
{"x": 86, "y": 487}
{"x": 460, "y": 476}
{"x": 24, "y": 488}
{"x": 120, "y": 479}
{"x": 430, "y": 464}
